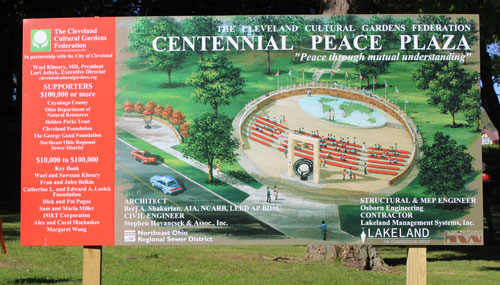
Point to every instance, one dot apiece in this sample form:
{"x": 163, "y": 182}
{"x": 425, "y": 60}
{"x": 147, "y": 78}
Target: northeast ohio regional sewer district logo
{"x": 40, "y": 40}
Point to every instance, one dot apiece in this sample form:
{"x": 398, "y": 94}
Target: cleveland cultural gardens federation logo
{"x": 40, "y": 40}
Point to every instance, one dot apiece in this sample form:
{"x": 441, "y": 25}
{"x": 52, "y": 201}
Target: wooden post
{"x": 92, "y": 264}
{"x": 416, "y": 266}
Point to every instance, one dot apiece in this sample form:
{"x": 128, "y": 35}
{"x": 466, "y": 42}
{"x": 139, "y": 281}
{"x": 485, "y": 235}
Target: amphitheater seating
{"x": 262, "y": 121}
{"x": 262, "y": 136}
{"x": 386, "y": 149}
{"x": 266, "y": 133}
{"x": 382, "y": 171}
{"x": 277, "y": 124}
{"x": 259, "y": 141}
{"x": 382, "y": 166}
{"x": 267, "y": 128}
{"x": 384, "y": 162}
{"x": 390, "y": 154}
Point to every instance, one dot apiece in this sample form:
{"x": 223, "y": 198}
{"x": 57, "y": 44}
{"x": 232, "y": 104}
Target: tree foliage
{"x": 144, "y": 30}
{"x": 450, "y": 88}
{"x": 201, "y": 26}
{"x": 266, "y": 35}
{"x": 298, "y": 36}
{"x": 443, "y": 166}
{"x": 210, "y": 138}
{"x": 216, "y": 81}
{"x": 371, "y": 68}
{"x": 426, "y": 72}
{"x": 472, "y": 107}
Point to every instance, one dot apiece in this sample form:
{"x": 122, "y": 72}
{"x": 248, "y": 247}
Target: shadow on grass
{"x": 171, "y": 85}
{"x": 9, "y": 234}
{"x": 44, "y": 280}
{"x": 457, "y": 126}
{"x": 11, "y": 218}
{"x": 489, "y": 268}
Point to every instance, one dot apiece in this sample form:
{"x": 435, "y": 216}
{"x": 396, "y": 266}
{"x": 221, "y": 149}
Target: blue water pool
{"x": 345, "y": 112}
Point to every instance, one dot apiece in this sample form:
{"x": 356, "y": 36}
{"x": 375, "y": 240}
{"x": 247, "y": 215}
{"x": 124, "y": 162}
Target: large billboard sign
{"x": 358, "y": 129}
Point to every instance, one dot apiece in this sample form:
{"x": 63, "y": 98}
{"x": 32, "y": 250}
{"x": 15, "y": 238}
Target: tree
{"x": 266, "y": 35}
{"x": 142, "y": 35}
{"x": 443, "y": 166}
{"x": 449, "y": 89}
{"x": 296, "y": 37}
{"x": 426, "y": 72}
{"x": 371, "y": 68}
{"x": 201, "y": 26}
{"x": 472, "y": 107}
{"x": 216, "y": 81}
{"x": 210, "y": 138}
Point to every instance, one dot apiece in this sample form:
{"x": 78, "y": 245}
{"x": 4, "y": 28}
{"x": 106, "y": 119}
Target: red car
{"x": 143, "y": 156}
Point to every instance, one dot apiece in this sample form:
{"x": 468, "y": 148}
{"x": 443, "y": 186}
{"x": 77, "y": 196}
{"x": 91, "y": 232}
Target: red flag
{"x": 333, "y": 73}
{"x": 346, "y": 74}
{"x": 374, "y": 79}
{"x": 302, "y": 72}
{"x": 277, "y": 73}
{"x": 360, "y": 77}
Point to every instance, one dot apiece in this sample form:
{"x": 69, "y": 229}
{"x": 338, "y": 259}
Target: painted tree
{"x": 371, "y": 68}
{"x": 426, "y": 36}
{"x": 407, "y": 22}
{"x": 443, "y": 166}
{"x": 216, "y": 81}
{"x": 210, "y": 139}
{"x": 448, "y": 91}
{"x": 426, "y": 72}
{"x": 472, "y": 107}
{"x": 167, "y": 112}
{"x": 472, "y": 36}
{"x": 267, "y": 35}
{"x": 144, "y": 31}
{"x": 199, "y": 26}
{"x": 298, "y": 36}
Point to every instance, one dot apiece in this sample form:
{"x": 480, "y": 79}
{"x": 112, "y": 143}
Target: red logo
{"x": 463, "y": 237}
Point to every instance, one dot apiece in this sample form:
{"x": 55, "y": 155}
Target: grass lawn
{"x": 235, "y": 170}
{"x": 234, "y": 264}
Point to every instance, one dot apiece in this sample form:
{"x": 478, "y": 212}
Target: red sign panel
{"x": 68, "y": 132}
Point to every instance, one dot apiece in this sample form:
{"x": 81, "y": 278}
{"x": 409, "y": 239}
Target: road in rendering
{"x": 132, "y": 182}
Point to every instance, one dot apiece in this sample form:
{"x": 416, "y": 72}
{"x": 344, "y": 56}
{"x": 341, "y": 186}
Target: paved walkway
{"x": 292, "y": 216}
